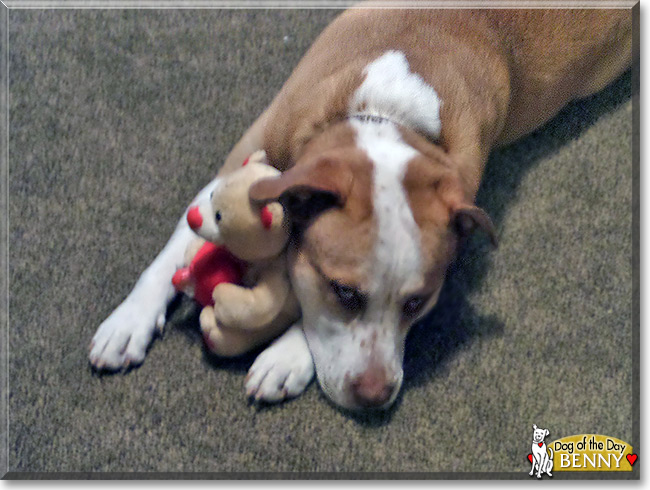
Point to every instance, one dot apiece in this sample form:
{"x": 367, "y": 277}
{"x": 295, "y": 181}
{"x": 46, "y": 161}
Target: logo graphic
{"x": 580, "y": 452}
{"x": 541, "y": 460}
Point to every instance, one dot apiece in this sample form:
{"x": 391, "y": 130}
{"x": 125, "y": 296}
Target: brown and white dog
{"x": 382, "y": 133}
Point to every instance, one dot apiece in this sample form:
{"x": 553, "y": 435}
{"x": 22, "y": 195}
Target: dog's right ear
{"x": 534, "y": 426}
{"x": 464, "y": 216}
{"x": 306, "y": 190}
{"x": 467, "y": 218}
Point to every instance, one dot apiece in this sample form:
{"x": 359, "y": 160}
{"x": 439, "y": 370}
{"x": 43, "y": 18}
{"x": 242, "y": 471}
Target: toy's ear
{"x": 466, "y": 219}
{"x": 307, "y": 190}
{"x": 266, "y": 217}
{"x": 258, "y": 157}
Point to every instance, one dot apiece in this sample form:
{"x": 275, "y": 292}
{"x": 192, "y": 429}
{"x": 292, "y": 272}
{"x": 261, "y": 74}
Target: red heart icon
{"x": 530, "y": 458}
{"x": 631, "y": 458}
{"x": 540, "y": 444}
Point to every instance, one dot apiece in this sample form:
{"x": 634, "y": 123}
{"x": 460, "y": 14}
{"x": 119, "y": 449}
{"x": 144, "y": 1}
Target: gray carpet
{"x": 118, "y": 117}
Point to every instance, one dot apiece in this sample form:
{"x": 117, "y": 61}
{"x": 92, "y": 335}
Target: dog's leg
{"x": 283, "y": 370}
{"x": 536, "y": 463}
{"x": 122, "y": 339}
{"x": 540, "y": 465}
{"x": 549, "y": 465}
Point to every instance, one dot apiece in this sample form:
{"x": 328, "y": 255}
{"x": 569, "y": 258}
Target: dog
{"x": 542, "y": 460}
{"x": 382, "y": 133}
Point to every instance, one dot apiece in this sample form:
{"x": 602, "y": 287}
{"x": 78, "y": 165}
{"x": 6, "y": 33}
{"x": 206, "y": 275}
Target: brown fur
{"x": 499, "y": 73}
{"x": 341, "y": 257}
{"x": 486, "y": 64}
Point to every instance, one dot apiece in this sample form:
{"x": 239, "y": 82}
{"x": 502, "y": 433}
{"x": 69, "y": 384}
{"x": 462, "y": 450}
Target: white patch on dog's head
{"x": 368, "y": 343}
{"x": 392, "y": 91}
{"x": 397, "y": 250}
{"x": 343, "y": 350}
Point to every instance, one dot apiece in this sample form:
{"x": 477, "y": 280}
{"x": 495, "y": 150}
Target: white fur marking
{"x": 395, "y": 269}
{"x": 283, "y": 370}
{"x": 397, "y": 251}
{"x": 392, "y": 91}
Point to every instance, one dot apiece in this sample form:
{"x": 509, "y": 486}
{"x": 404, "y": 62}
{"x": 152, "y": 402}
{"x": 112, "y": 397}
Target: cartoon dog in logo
{"x": 541, "y": 460}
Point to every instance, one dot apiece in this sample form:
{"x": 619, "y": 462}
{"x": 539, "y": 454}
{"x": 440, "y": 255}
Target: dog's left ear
{"x": 547, "y": 432}
{"x": 466, "y": 218}
{"x": 307, "y": 190}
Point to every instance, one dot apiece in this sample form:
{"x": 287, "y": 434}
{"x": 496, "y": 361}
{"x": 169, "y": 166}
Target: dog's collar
{"x": 374, "y": 118}
{"x": 366, "y": 117}
{"x": 342, "y": 118}
{"x": 363, "y": 117}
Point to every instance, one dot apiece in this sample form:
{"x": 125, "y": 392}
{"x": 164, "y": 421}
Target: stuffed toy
{"x": 236, "y": 269}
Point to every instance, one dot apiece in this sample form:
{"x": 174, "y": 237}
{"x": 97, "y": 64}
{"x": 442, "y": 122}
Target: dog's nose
{"x": 371, "y": 388}
{"x": 194, "y": 218}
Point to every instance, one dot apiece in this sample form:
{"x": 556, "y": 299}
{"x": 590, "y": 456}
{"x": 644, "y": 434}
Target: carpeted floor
{"x": 118, "y": 117}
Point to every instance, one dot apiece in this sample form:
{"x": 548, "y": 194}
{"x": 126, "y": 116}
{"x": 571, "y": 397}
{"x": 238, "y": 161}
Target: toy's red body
{"x": 211, "y": 266}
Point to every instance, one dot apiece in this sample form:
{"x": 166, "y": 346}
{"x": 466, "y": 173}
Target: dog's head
{"x": 539, "y": 434}
{"x": 377, "y": 224}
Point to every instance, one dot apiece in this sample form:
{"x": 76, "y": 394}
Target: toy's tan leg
{"x": 253, "y": 308}
{"x": 230, "y": 342}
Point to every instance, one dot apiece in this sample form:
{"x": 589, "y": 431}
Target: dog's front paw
{"x": 283, "y": 370}
{"x": 122, "y": 339}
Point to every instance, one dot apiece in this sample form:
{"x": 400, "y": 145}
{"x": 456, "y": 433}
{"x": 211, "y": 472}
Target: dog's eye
{"x": 413, "y": 306}
{"x": 217, "y": 216}
{"x": 349, "y": 297}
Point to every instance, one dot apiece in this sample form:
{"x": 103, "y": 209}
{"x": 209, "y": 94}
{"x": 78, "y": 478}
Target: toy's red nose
{"x": 194, "y": 218}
